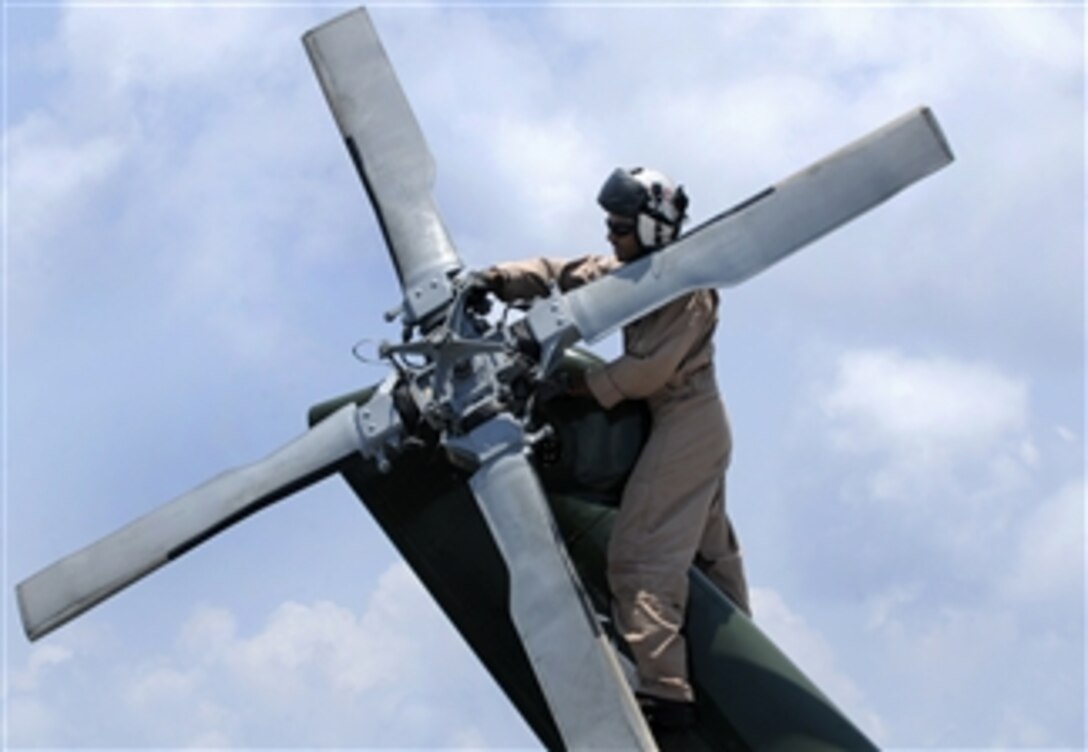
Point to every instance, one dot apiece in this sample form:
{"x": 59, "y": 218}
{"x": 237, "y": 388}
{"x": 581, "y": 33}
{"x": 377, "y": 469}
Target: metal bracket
{"x": 380, "y": 428}
{"x": 553, "y": 327}
{"x": 426, "y": 296}
{"x": 500, "y": 435}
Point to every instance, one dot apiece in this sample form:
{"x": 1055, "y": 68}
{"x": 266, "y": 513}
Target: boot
{"x": 666, "y": 716}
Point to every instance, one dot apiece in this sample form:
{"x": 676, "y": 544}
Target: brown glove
{"x": 480, "y": 284}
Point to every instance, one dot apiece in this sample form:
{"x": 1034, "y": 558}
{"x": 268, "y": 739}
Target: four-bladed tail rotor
{"x": 458, "y": 391}
{"x": 454, "y": 389}
{"x": 575, "y": 667}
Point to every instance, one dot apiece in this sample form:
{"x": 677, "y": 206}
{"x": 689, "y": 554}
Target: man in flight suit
{"x": 672, "y": 513}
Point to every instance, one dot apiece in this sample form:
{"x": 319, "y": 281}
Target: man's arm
{"x": 681, "y": 327}
{"x": 524, "y": 280}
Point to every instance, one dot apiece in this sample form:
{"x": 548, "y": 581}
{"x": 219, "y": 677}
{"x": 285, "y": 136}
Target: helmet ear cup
{"x": 653, "y": 233}
{"x": 663, "y": 211}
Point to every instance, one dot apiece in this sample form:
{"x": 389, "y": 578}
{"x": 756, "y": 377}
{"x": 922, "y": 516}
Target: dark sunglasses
{"x": 620, "y": 227}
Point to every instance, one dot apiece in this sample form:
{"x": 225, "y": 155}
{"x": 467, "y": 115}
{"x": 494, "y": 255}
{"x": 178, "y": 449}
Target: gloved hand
{"x": 563, "y": 384}
{"x": 477, "y": 288}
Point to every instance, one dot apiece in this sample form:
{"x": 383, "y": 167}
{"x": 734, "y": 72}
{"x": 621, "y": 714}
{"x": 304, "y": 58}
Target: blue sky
{"x": 189, "y": 258}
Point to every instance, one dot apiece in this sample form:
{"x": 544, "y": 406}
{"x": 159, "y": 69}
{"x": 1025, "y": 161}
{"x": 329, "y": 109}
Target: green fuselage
{"x": 749, "y": 694}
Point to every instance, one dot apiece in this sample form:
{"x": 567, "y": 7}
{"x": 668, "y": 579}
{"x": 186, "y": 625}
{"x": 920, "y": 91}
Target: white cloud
{"x": 300, "y": 679}
{"x": 207, "y": 632}
{"x": 159, "y": 119}
{"x": 1047, "y": 38}
{"x": 1049, "y": 557}
{"x": 550, "y": 164}
{"x": 937, "y": 407}
{"x": 934, "y": 456}
{"x": 43, "y": 658}
{"x": 929, "y": 422}
{"x": 1018, "y": 731}
{"x": 153, "y": 47}
{"x": 30, "y": 721}
{"x": 161, "y": 684}
{"x": 964, "y": 538}
{"x": 52, "y": 175}
{"x": 321, "y": 644}
{"x": 1065, "y": 434}
{"x": 939, "y": 665}
{"x": 305, "y": 651}
{"x": 209, "y": 198}
{"x": 883, "y": 608}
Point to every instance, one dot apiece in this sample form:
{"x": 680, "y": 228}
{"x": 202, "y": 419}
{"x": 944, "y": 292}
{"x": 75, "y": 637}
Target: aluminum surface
{"x": 388, "y": 149}
{"x": 70, "y": 586}
{"x": 578, "y": 672}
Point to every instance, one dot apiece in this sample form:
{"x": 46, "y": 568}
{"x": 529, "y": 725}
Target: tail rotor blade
{"x": 386, "y": 145}
{"x": 768, "y": 227}
{"x": 578, "y": 672}
{"x": 76, "y": 583}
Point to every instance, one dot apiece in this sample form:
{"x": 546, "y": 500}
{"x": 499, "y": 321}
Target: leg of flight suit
{"x": 658, "y": 530}
{"x": 720, "y": 556}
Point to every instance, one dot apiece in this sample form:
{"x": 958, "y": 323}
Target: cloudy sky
{"x": 188, "y": 259}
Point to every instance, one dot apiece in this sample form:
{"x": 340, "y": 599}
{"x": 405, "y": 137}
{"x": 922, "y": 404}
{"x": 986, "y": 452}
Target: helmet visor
{"x": 622, "y": 195}
{"x": 620, "y": 227}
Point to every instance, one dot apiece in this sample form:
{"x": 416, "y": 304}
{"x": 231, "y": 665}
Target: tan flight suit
{"x": 672, "y": 513}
